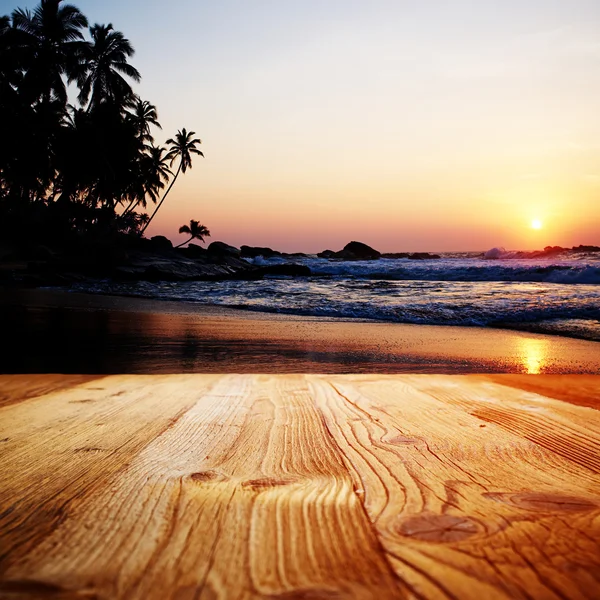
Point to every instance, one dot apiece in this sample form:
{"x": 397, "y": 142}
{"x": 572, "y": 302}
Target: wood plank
{"x": 464, "y": 507}
{"x": 582, "y": 390}
{"x": 60, "y": 448}
{"x": 570, "y": 431}
{"x": 16, "y": 388}
{"x": 241, "y": 486}
{"x": 243, "y": 496}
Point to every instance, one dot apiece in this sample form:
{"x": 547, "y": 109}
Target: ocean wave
{"x": 582, "y": 270}
{"x": 520, "y": 294}
{"x": 433, "y": 314}
{"x": 483, "y": 304}
{"x": 554, "y": 273}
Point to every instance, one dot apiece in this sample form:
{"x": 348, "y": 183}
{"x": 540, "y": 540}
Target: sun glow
{"x": 536, "y": 224}
{"x": 533, "y": 355}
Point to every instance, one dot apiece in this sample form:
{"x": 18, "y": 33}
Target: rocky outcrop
{"x": 423, "y": 256}
{"x": 582, "y": 248}
{"x": 93, "y": 260}
{"x": 193, "y": 251}
{"x": 358, "y": 251}
{"x": 221, "y": 249}
{"x": 352, "y": 251}
{"x": 159, "y": 243}
{"x": 254, "y": 251}
{"x": 174, "y": 267}
{"x": 154, "y": 268}
{"x": 326, "y": 254}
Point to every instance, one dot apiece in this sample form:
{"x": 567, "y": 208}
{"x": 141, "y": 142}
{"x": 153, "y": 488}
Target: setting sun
{"x": 536, "y": 224}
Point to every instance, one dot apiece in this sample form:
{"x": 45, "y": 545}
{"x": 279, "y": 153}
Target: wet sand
{"x": 59, "y": 332}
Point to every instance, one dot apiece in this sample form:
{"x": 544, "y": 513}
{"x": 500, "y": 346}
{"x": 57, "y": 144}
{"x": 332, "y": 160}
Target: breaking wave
{"x": 558, "y": 297}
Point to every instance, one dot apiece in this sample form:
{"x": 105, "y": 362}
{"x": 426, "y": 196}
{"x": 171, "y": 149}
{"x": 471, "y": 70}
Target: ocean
{"x": 543, "y": 295}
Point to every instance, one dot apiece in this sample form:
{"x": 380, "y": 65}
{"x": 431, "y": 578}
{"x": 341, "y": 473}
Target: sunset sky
{"x": 439, "y": 125}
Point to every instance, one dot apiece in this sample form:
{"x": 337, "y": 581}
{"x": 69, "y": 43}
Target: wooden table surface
{"x": 299, "y": 486}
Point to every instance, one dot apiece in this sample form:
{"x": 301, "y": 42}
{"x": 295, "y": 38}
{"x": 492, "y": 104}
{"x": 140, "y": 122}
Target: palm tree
{"x": 182, "y": 146}
{"x": 52, "y": 35}
{"x": 12, "y": 63}
{"x": 143, "y": 115}
{"x": 105, "y": 64}
{"x": 195, "y": 230}
{"x": 153, "y": 173}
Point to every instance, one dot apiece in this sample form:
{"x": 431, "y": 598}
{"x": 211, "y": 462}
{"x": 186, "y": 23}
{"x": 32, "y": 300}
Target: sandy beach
{"x": 50, "y": 331}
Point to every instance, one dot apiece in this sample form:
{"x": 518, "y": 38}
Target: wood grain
{"x": 16, "y": 388}
{"x": 304, "y": 486}
{"x": 582, "y": 390}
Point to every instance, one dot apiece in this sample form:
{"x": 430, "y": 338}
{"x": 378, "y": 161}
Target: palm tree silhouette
{"x": 78, "y": 167}
{"x": 105, "y": 64}
{"x": 153, "y": 173}
{"x": 52, "y": 35}
{"x": 182, "y": 146}
{"x": 142, "y": 116}
{"x": 195, "y": 230}
{"x": 10, "y": 58}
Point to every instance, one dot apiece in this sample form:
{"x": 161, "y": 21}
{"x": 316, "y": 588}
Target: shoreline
{"x": 179, "y": 306}
{"x": 70, "y": 332}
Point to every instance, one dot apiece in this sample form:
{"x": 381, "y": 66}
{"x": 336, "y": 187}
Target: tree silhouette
{"x": 195, "y": 231}
{"x": 52, "y": 35}
{"x": 65, "y": 170}
{"x": 183, "y": 146}
{"x": 105, "y": 63}
{"x": 154, "y": 172}
{"x": 143, "y": 115}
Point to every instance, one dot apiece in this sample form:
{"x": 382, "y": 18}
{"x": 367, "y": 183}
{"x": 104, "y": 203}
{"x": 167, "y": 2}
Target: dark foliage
{"x": 82, "y": 171}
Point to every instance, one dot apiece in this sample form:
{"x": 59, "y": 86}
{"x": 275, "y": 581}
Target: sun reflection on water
{"x": 533, "y": 355}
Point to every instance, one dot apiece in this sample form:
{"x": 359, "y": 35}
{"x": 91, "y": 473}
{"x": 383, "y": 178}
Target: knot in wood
{"x": 438, "y": 528}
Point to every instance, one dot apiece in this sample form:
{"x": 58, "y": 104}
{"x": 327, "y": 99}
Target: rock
{"x": 121, "y": 260}
{"x": 352, "y": 251}
{"x": 294, "y": 255}
{"x": 423, "y": 256}
{"x": 147, "y": 267}
{"x": 395, "y": 255}
{"x": 160, "y": 244}
{"x": 582, "y": 248}
{"x": 223, "y": 249}
{"x": 326, "y": 254}
{"x": 254, "y": 251}
{"x": 358, "y": 251}
{"x": 194, "y": 251}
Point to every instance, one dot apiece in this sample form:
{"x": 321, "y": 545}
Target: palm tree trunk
{"x": 163, "y": 199}
{"x": 184, "y": 243}
{"x": 131, "y": 206}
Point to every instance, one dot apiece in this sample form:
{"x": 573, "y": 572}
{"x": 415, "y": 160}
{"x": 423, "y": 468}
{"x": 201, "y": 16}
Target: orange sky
{"x": 409, "y": 126}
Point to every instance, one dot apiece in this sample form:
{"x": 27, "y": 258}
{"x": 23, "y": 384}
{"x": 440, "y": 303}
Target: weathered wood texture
{"x": 303, "y": 486}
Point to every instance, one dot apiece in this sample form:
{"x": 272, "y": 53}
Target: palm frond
{"x": 128, "y": 70}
